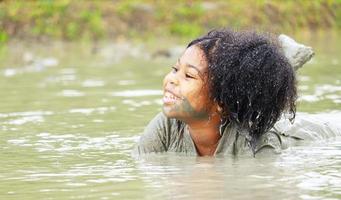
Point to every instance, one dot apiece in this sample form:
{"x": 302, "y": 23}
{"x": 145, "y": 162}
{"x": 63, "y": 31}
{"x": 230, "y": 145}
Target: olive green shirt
{"x": 170, "y": 135}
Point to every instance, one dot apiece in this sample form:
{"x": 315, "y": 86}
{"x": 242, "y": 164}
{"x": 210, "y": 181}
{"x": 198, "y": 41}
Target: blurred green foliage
{"x": 73, "y": 20}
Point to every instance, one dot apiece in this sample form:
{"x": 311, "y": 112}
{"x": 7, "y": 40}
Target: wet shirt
{"x": 170, "y": 135}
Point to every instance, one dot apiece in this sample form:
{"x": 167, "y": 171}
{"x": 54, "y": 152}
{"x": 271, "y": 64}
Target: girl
{"x": 223, "y": 96}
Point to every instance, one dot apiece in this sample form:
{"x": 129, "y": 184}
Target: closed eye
{"x": 174, "y": 69}
{"x": 189, "y": 76}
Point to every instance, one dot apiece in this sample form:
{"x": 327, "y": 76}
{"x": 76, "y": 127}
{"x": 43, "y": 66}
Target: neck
{"x": 205, "y": 135}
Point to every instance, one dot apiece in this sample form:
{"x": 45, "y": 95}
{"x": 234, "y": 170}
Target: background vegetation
{"x": 122, "y": 19}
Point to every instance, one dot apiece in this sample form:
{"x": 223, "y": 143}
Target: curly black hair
{"x": 250, "y": 79}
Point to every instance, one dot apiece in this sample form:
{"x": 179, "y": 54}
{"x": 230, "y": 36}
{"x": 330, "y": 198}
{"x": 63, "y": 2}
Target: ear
{"x": 223, "y": 112}
{"x": 218, "y": 109}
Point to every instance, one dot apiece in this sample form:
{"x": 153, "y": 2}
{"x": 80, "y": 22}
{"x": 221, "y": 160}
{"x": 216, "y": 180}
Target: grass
{"x": 74, "y": 20}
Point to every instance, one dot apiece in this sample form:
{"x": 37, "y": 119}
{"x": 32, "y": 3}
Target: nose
{"x": 172, "y": 78}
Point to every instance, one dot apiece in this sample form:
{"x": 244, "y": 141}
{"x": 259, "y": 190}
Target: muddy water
{"x": 71, "y": 113}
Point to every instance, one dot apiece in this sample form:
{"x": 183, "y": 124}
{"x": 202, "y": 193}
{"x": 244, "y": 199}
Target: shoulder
{"x": 276, "y": 140}
{"x": 161, "y": 123}
{"x": 159, "y": 127}
{"x": 157, "y": 135}
{"x": 269, "y": 141}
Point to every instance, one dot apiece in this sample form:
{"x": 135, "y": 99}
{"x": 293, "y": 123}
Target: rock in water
{"x": 297, "y": 53}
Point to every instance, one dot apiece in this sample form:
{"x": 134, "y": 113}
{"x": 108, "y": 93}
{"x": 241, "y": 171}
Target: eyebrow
{"x": 191, "y": 66}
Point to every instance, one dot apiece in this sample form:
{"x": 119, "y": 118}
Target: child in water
{"x": 223, "y": 97}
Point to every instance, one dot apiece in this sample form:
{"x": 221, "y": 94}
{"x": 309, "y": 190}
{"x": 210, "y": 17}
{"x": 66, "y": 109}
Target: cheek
{"x": 196, "y": 105}
{"x": 198, "y": 96}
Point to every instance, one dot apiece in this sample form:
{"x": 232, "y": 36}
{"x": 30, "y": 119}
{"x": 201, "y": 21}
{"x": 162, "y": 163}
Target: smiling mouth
{"x": 169, "y": 98}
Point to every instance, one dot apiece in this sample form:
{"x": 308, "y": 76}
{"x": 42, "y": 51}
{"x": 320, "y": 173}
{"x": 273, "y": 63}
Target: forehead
{"x": 194, "y": 56}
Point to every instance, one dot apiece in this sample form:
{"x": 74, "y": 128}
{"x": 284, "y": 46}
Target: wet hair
{"x": 249, "y": 78}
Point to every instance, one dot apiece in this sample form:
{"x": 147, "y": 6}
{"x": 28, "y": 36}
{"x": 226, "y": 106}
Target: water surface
{"x": 69, "y": 117}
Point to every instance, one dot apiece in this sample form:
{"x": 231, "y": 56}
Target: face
{"x": 186, "y": 96}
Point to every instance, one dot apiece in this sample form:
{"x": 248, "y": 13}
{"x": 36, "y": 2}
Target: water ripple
{"x": 137, "y": 93}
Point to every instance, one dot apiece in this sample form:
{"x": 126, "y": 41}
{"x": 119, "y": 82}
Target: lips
{"x": 169, "y": 97}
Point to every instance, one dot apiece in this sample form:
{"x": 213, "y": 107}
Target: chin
{"x": 168, "y": 112}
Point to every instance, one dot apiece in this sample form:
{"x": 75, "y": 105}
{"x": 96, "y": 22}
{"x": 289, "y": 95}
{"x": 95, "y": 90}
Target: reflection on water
{"x": 137, "y": 93}
{"x": 67, "y": 129}
{"x": 310, "y": 172}
{"x": 321, "y": 92}
{"x": 32, "y": 66}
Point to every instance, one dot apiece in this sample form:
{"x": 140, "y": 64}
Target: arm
{"x": 308, "y": 127}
